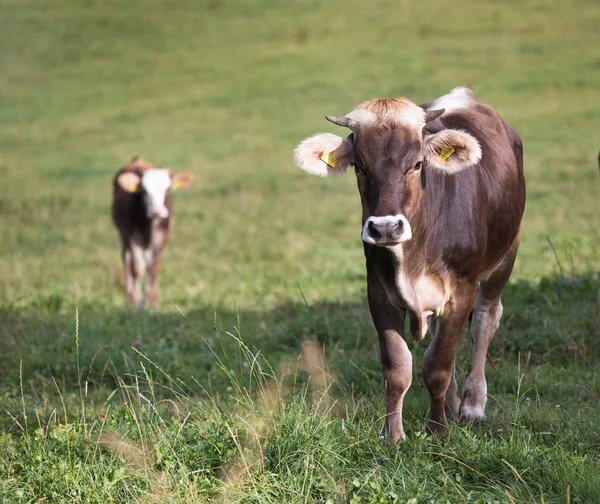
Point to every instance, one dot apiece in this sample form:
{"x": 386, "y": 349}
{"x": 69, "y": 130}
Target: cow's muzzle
{"x": 386, "y": 231}
{"x": 158, "y": 212}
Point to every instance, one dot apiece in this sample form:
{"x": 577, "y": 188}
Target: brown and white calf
{"x": 142, "y": 212}
{"x": 442, "y": 194}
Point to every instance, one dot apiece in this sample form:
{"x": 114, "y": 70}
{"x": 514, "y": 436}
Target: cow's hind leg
{"x": 486, "y": 318}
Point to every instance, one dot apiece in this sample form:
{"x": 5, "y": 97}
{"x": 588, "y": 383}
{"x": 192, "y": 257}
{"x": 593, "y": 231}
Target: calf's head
{"x": 389, "y": 148}
{"x": 154, "y": 184}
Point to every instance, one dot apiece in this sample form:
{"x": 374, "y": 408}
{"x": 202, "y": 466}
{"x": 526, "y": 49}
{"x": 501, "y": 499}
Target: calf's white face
{"x": 155, "y": 183}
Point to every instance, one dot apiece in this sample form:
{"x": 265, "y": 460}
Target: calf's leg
{"x": 133, "y": 261}
{"x": 151, "y": 290}
{"x": 396, "y": 359}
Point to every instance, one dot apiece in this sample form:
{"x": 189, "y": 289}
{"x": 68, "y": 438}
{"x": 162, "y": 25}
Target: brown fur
{"x": 465, "y": 234}
{"x": 465, "y": 231}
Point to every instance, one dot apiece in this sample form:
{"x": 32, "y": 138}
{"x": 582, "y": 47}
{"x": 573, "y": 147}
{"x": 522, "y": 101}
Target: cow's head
{"x": 154, "y": 184}
{"x": 389, "y": 148}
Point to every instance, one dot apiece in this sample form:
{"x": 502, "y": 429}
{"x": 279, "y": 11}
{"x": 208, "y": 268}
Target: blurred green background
{"x": 226, "y": 89}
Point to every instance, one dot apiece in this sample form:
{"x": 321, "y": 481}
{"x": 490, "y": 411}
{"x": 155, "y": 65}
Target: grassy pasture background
{"x": 265, "y": 253}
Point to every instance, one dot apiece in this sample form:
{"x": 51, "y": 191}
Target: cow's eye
{"x": 419, "y": 165}
{"x": 358, "y": 170}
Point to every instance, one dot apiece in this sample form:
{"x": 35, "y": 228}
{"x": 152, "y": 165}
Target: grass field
{"x": 217, "y": 396}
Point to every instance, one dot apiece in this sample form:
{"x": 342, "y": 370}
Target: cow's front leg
{"x": 151, "y": 290}
{"x": 134, "y": 269}
{"x": 452, "y": 396}
{"x": 438, "y": 361}
{"x": 396, "y": 359}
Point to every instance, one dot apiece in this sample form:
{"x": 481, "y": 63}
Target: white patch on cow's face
{"x": 458, "y": 98}
{"x": 156, "y": 182}
{"x": 396, "y": 226}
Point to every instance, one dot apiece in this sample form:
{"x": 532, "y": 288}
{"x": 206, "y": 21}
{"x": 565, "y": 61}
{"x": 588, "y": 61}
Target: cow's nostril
{"x": 373, "y": 231}
{"x": 396, "y": 231}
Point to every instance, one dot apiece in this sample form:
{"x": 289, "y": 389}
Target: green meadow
{"x": 258, "y": 379}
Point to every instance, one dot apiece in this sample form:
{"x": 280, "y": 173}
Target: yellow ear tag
{"x": 177, "y": 185}
{"x": 446, "y": 152}
{"x": 133, "y": 187}
{"x": 329, "y": 158}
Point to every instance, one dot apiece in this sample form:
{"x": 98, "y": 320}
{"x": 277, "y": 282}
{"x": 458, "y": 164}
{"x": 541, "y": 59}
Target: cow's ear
{"x": 181, "y": 180}
{"x": 324, "y": 154}
{"x": 129, "y": 181}
{"x": 452, "y": 150}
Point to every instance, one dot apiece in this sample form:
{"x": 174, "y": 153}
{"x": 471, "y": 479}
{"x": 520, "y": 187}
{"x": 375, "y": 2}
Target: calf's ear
{"x": 324, "y": 154}
{"x": 452, "y": 150}
{"x": 129, "y": 181}
{"x": 181, "y": 180}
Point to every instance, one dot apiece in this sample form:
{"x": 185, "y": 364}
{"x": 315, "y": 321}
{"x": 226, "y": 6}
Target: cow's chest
{"x": 420, "y": 294}
{"x": 149, "y": 243}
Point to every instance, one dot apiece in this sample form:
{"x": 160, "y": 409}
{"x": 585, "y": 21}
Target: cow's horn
{"x": 432, "y": 115}
{"x": 339, "y": 120}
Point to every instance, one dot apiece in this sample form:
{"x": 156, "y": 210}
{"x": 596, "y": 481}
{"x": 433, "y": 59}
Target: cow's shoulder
{"x": 457, "y": 99}
{"x": 463, "y": 111}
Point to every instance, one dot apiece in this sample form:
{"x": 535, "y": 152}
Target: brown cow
{"x": 142, "y": 212}
{"x": 442, "y": 194}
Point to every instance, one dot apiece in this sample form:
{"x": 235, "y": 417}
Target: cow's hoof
{"x": 471, "y": 414}
{"x": 395, "y": 439}
{"x": 436, "y": 428}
